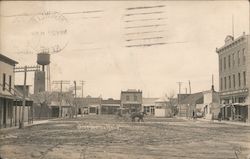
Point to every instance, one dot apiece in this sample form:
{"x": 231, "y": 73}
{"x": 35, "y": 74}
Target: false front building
{"x": 131, "y": 100}
{"x": 6, "y": 91}
{"x": 234, "y": 76}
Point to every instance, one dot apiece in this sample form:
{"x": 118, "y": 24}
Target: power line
{"x": 150, "y": 38}
{"x": 147, "y": 19}
{"x": 144, "y": 13}
{"x": 144, "y": 32}
{"x": 145, "y": 26}
{"x": 48, "y": 13}
{"x": 145, "y": 7}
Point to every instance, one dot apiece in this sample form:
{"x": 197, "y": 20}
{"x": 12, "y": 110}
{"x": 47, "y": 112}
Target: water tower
{"x": 43, "y": 59}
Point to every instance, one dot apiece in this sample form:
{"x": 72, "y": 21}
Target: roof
{"x": 86, "y": 101}
{"x": 7, "y": 60}
{"x": 132, "y": 91}
{"x": 196, "y": 98}
{"x": 149, "y": 101}
{"x": 162, "y": 99}
{"x": 229, "y": 41}
{"x": 111, "y": 101}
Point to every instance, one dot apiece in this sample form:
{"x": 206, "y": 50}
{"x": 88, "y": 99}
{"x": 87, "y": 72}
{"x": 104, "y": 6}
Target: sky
{"x": 119, "y": 45}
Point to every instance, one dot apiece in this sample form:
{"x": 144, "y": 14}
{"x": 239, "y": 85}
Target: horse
{"x": 138, "y": 115}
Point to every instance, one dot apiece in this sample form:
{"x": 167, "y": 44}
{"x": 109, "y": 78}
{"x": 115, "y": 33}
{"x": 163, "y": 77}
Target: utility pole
{"x": 189, "y": 83}
{"x": 24, "y": 69}
{"x": 179, "y": 87}
{"x": 61, "y": 82}
{"x": 82, "y": 83}
{"x": 212, "y": 82}
{"x": 76, "y": 111}
{"x": 179, "y": 83}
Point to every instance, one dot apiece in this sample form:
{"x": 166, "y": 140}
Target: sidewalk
{"x": 216, "y": 121}
{"x": 225, "y": 122}
{"x": 36, "y": 122}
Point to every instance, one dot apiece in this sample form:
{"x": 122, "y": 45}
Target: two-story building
{"x": 131, "y": 100}
{"x": 6, "y": 91}
{"x": 234, "y": 77}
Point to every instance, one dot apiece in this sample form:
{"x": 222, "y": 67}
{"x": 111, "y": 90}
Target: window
{"x": 229, "y": 61}
{"x": 244, "y": 78}
{"x": 10, "y": 83}
{"x": 229, "y": 82}
{"x": 225, "y": 64}
{"x": 239, "y": 79}
{"x": 243, "y": 56}
{"x": 233, "y": 59}
{"x": 221, "y": 83}
{"x": 234, "y": 81}
{"x": 127, "y": 98}
{"x": 135, "y": 98}
{"x": 220, "y": 64}
{"x": 225, "y": 83}
{"x": 4, "y": 81}
{"x": 238, "y": 54}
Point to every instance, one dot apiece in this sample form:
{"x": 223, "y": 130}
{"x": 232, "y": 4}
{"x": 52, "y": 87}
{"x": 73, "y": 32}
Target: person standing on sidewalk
{"x": 219, "y": 116}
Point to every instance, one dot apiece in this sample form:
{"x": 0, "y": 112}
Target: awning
{"x": 240, "y": 104}
{"x": 234, "y": 104}
{"x": 7, "y": 96}
{"x": 111, "y": 105}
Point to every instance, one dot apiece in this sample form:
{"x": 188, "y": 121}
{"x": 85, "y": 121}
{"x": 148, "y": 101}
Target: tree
{"x": 68, "y": 97}
{"x": 172, "y": 102}
{"x": 43, "y": 99}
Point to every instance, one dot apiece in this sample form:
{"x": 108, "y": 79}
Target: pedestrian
{"x": 193, "y": 114}
{"x": 219, "y": 116}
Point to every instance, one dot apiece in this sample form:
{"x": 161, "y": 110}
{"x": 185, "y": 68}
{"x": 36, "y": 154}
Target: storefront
{"x": 234, "y": 112}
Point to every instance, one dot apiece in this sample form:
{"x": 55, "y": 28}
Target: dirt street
{"x": 107, "y": 137}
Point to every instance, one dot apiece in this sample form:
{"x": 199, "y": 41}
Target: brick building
{"x": 234, "y": 77}
{"x": 131, "y": 100}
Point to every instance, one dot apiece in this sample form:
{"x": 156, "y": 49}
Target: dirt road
{"x": 106, "y": 137}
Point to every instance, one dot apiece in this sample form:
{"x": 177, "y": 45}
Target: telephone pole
{"x": 179, "y": 83}
{"x": 189, "y": 83}
{"x": 76, "y": 108}
{"x": 179, "y": 86}
{"x": 61, "y": 82}
{"x": 24, "y": 69}
{"x": 82, "y": 83}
